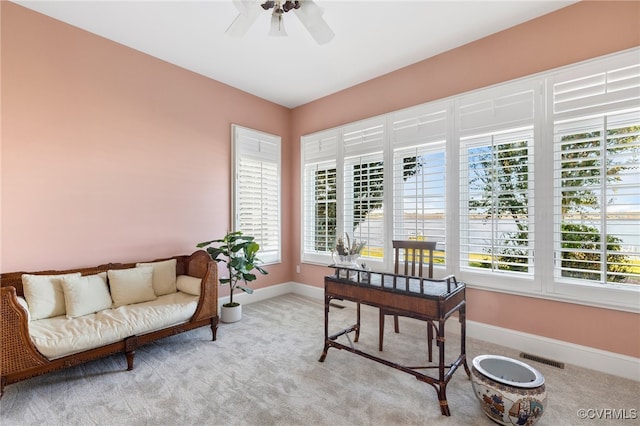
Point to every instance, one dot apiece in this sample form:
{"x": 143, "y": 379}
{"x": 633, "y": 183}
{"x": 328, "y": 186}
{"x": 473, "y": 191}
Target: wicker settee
{"x": 104, "y": 310}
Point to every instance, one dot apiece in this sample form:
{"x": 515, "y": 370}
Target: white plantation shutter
{"x": 496, "y": 128}
{"x": 418, "y": 138}
{"x": 363, "y": 183}
{"x": 319, "y": 200}
{"x": 320, "y": 147}
{"x": 256, "y": 189}
{"x": 363, "y": 137}
{"x": 597, "y": 87}
{"x": 496, "y": 215}
{"x": 419, "y": 197}
{"x": 419, "y": 125}
{"x": 364, "y": 203}
{"x": 493, "y": 110}
{"x": 596, "y": 126}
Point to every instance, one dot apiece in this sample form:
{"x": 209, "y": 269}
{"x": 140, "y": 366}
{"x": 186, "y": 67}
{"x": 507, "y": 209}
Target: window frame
{"x": 245, "y": 141}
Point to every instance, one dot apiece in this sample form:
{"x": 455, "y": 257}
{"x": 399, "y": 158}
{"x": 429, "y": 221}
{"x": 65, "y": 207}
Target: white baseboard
{"x": 309, "y": 291}
{"x": 264, "y": 293}
{"x": 558, "y": 350}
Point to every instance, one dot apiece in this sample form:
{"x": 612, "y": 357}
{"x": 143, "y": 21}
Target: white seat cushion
{"x": 59, "y": 336}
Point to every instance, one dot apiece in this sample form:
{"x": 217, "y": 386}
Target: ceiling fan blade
{"x": 310, "y": 14}
{"x": 249, "y": 12}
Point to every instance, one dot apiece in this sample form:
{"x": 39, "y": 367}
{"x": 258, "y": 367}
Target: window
{"x": 363, "y": 176}
{"x": 496, "y": 215}
{"x": 596, "y": 113}
{"x": 256, "y": 189}
{"x": 344, "y": 193}
{"x": 597, "y": 183}
{"x": 320, "y": 196}
{"x": 418, "y": 138}
{"x": 363, "y": 202}
{"x": 528, "y": 187}
{"x": 496, "y": 131}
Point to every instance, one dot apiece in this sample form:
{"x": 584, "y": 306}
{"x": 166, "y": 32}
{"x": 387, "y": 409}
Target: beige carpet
{"x": 264, "y": 370}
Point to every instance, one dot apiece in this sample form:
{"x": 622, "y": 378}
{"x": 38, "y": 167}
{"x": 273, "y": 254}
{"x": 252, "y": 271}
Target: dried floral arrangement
{"x": 350, "y": 248}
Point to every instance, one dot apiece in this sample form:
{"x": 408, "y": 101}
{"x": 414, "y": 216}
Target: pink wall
{"x": 112, "y": 155}
{"x": 578, "y": 32}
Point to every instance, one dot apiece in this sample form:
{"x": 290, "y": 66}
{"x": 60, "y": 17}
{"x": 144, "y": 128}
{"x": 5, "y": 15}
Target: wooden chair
{"x": 413, "y": 255}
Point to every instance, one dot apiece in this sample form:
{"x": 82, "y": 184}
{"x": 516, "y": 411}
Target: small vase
{"x": 347, "y": 261}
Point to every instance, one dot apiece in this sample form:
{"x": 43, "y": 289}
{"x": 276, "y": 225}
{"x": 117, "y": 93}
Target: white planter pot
{"x": 231, "y": 314}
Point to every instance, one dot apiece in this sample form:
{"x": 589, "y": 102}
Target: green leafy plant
{"x": 239, "y": 253}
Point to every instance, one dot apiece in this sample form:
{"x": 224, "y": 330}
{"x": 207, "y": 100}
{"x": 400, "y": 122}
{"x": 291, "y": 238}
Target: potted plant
{"x": 239, "y": 252}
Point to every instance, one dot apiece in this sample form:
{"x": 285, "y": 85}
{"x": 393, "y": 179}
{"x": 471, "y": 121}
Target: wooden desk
{"x": 424, "y": 299}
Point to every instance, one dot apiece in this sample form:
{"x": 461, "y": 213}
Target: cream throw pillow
{"x": 133, "y": 285}
{"x": 86, "y": 295}
{"x": 188, "y": 284}
{"x": 44, "y": 294}
{"x": 164, "y": 276}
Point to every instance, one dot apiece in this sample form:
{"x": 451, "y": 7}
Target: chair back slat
{"x": 413, "y": 252}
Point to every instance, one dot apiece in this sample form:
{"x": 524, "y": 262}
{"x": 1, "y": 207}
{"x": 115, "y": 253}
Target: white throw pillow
{"x": 190, "y": 285}
{"x": 44, "y": 294}
{"x": 133, "y": 285}
{"x": 86, "y": 295}
{"x": 164, "y": 276}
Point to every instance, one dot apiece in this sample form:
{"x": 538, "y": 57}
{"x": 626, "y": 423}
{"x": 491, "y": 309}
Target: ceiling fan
{"x": 309, "y": 13}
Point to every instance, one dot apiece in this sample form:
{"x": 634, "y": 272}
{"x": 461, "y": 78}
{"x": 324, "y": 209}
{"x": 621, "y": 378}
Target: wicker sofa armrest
{"x": 18, "y": 351}
{"x": 200, "y": 265}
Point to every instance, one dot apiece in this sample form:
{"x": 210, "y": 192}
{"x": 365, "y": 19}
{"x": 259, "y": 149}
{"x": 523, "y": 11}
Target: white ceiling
{"x": 372, "y": 38}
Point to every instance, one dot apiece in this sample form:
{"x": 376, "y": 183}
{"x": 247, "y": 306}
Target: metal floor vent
{"x": 542, "y": 360}
{"x": 335, "y": 305}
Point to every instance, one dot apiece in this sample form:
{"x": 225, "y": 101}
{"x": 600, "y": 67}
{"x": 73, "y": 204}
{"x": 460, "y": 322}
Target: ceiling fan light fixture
{"x": 268, "y": 4}
{"x": 277, "y": 25}
{"x": 288, "y": 5}
{"x": 310, "y": 16}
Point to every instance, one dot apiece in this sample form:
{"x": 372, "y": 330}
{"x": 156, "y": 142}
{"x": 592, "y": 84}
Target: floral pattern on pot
{"x": 508, "y": 405}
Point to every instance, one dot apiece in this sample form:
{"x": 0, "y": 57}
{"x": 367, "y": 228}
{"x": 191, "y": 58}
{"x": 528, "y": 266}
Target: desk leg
{"x": 357, "y": 323}
{"x": 463, "y": 338}
{"x": 442, "y": 385}
{"x": 442, "y": 399}
{"x": 327, "y": 300}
